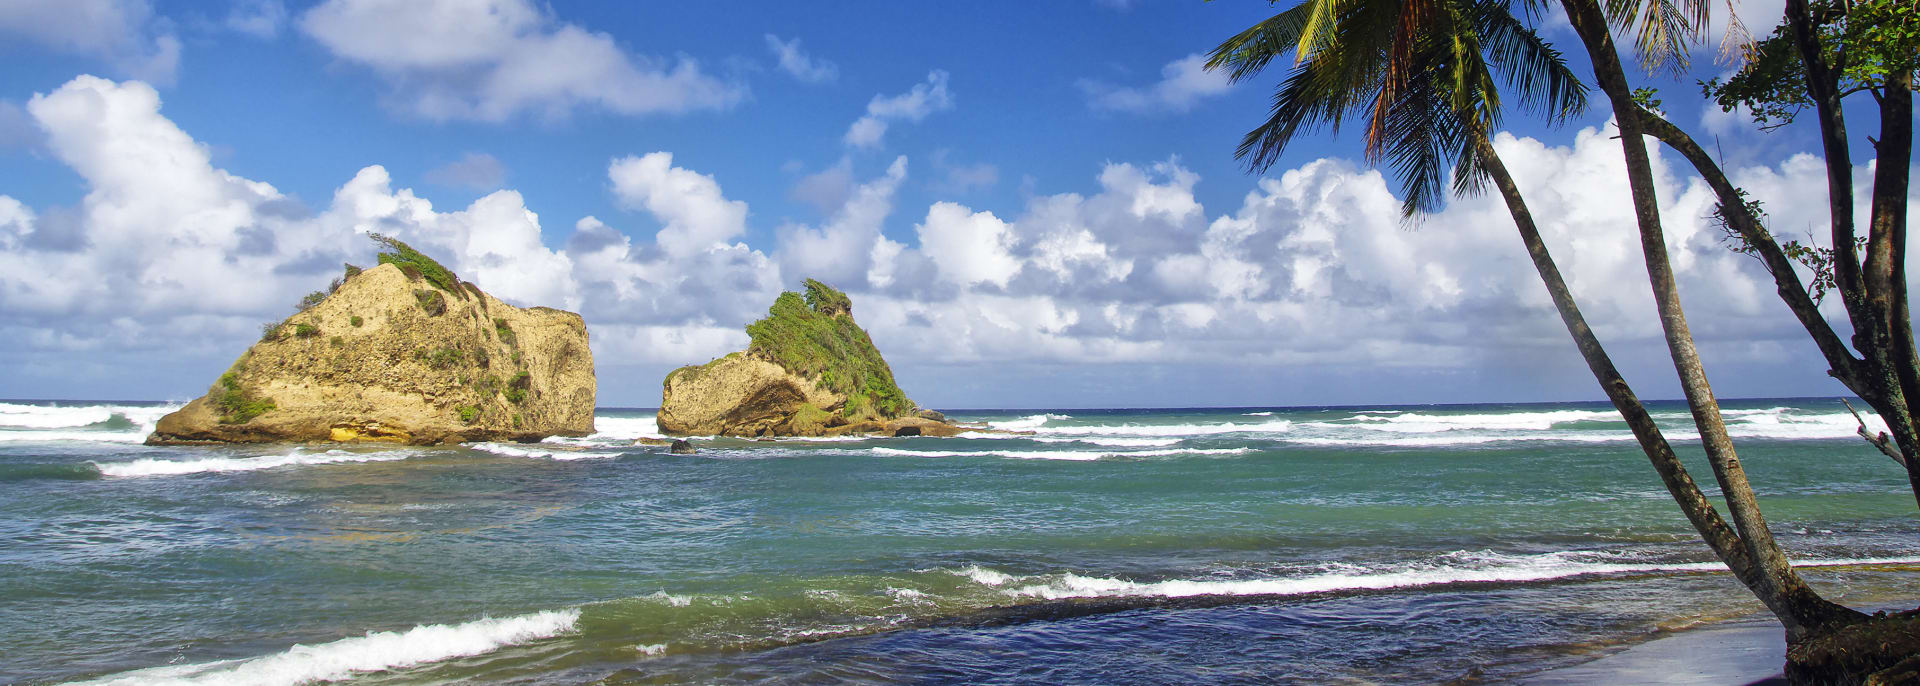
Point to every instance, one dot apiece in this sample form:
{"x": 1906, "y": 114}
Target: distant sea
{"x": 1386, "y": 544}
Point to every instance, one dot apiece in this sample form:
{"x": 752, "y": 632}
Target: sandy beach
{"x": 1750, "y": 650}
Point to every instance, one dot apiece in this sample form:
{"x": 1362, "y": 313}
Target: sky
{"x": 1032, "y": 205}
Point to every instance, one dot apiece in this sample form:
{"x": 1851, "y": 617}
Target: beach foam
{"x": 1454, "y": 568}
{"x": 1081, "y": 455}
{"x": 20, "y": 422}
{"x": 538, "y": 452}
{"x": 376, "y": 651}
{"x": 1027, "y": 423}
{"x": 1279, "y": 426}
{"x": 159, "y": 467}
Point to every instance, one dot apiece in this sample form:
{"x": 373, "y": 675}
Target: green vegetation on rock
{"x": 430, "y": 301}
{"x": 356, "y": 321}
{"x": 237, "y": 404}
{"x": 814, "y": 336}
{"x": 305, "y": 330}
{"x": 501, "y": 329}
{"x": 808, "y": 421}
{"x": 468, "y": 413}
{"x": 441, "y": 358}
{"x": 402, "y": 255}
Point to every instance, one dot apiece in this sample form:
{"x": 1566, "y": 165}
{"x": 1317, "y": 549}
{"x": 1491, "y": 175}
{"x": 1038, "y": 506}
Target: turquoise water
{"x": 1400, "y": 544}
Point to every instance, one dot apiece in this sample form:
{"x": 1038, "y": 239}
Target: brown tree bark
{"x": 1799, "y": 609}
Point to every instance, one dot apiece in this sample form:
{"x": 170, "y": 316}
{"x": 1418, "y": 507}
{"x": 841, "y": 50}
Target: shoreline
{"x": 1749, "y": 650}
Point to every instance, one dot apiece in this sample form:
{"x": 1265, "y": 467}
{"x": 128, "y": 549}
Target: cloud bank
{"x": 169, "y": 257}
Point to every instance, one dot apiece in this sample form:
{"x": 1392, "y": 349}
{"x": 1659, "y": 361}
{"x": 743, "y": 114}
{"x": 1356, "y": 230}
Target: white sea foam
{"x": 1417, "y": 422}
{"x": 23, "y": 416}
{"x": 1107, "y": 441}
{"x": 1459, "y": 567}
{"x": 671, "y": 599}
{"x": 540, "y": 452}
{"x": 376, "y": 651}
{"x": 159, "y": 467}
{"x": 627, "y": 428}
{"x": 651, "y": 649}
{"x": 1257, "y": 414}
{"x": 984, "y": 576}
{"x": 1027, "y": 423}
{"x": 1278, "y": 426}
{"x": 37, "y": 436}
{"x": 21, "y": 422}
{"x": 1080, "y": 455}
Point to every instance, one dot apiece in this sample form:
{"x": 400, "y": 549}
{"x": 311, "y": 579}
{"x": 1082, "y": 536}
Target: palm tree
{"x": 1664, "y": 30}
{"x": 1422, "y": 71}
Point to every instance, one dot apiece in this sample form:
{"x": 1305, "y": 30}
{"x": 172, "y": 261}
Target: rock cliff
{"x": 809, "y": 371}
{"x": 403, "y": 352}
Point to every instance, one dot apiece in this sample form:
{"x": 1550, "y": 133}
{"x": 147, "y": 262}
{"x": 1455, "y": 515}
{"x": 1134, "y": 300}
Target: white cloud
{"x": 968, "y": 247}
{"x": 473, "y": 171}
{"x": 1312, "y": 269}
{"x": 124, "y": 33}
{"x": 798, "y": 63}
{"x": 493, "y": 59}
{"x": 914, "y": 105}
{"x": 696, "y": 215}
{"x": 841, "y": 251}
{"x": 959, "y": 179}
{"x": 1183, "y": 83}
{"x": 257, "y": 18}
{"x": 828, "y": 189}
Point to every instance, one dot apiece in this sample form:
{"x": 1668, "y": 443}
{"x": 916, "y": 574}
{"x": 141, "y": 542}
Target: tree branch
{"x": 1881, "y": 441}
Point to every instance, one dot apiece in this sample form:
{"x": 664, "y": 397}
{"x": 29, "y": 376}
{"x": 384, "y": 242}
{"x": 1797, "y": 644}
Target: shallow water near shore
{"x": 1363, "y": 544}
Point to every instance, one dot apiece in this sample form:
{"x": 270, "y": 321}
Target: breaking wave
{"x": 159, "y": 467}
{"x": 373, "y": 652}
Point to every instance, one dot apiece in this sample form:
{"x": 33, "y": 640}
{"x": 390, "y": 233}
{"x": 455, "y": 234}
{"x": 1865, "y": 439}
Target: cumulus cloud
{"x": 914, "y": 105}
{"x": 494, "y": 59}
{"x": 1183, "y": 83}
{"x": 257, "y": 18}
{"x": 473, "y": 171}
{"x": 798, "y": 64}
{"x": 170, "y": 257}
{"x": 167, "y": 251}
{"x": 123, "y": 33}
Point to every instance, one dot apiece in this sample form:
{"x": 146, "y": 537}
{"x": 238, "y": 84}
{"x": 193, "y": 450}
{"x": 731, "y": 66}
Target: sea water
{"x": 1353, "y": 544}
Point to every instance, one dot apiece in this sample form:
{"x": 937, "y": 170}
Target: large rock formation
{"x": 402, "y": 352}
{"x": 809, "y": 371}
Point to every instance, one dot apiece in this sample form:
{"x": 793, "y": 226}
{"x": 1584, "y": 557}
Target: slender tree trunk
{"x": 1726, "y": 544}
{"x": 1800, "y": 610}
{"x": 1856, "y": 374}
{"x": 1894, "y": 157}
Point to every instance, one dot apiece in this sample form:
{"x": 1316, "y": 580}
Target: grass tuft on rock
{"x": 399, "y": 253}
{"x": 814, "y": 335}
{"x": 237, "y": 404}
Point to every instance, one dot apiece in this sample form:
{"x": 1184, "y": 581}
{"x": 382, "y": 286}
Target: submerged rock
{"x": 682, "y": 447}
{"x": 403, "y": 353}
{"x": 809, "y": 371}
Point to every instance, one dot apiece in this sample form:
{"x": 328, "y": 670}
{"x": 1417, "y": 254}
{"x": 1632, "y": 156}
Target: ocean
{"x": 1387, "y": 544}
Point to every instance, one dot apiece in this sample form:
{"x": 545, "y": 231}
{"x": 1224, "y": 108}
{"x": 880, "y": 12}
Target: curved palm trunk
{"x": 1799, "y": 609}
{"x": 1865, "y": 377}
{"x": 1699, "y": 510}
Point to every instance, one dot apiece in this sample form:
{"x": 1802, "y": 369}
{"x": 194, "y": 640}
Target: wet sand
{"x": 1737, "y": 653}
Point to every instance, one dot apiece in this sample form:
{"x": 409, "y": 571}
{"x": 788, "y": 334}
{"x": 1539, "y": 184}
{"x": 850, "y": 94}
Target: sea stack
{"x": 403, "y": 352}
{"x": 809, "y": 371}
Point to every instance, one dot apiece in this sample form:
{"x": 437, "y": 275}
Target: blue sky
{"x": 1033, "y": 205}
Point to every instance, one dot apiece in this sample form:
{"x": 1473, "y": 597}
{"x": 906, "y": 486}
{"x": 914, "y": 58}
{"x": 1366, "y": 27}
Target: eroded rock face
{"x": 391, "y": 357}
{"x": 810, "y": 371}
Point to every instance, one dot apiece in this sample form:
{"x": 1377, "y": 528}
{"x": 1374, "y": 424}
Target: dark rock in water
{"x": 931, "y": 414}
{"x": 682, "y": 447}
{"x": 906, "y": 431}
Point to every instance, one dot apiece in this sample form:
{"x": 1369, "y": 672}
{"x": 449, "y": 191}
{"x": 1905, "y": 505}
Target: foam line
{"x": 347, "y": 657}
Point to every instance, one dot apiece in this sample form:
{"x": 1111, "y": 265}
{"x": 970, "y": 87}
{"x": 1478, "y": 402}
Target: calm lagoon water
{"x": 1361, "y": 544}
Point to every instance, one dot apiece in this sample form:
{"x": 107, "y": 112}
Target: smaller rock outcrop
{"x": 810, "y": 370}
{"x": 405, "y": 353}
